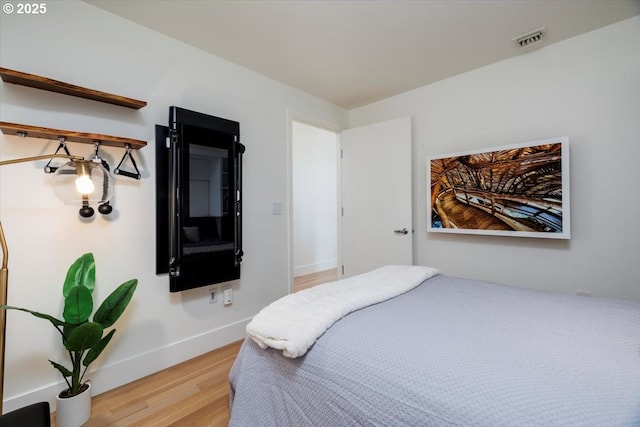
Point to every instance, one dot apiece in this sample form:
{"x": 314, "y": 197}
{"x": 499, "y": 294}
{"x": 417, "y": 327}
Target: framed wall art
{"x": 517, "y": 190}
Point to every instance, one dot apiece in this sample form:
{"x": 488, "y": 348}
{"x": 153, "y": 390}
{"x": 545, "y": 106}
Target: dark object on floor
{"x": 35, "y": 415}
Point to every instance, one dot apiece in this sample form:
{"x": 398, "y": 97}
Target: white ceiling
{"x": 352, "y": 53}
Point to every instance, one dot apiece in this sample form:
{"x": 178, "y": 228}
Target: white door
{"x": 376, "y": 227}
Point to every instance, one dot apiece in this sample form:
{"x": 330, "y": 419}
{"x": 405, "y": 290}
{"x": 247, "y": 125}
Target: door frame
{"x": 330, "y": 126}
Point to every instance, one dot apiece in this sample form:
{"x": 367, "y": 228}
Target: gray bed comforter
{"x": 454, "y": 352}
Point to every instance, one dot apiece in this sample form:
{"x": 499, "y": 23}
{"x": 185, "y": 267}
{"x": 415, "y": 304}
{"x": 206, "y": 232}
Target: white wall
{"x": 77, "y": 43}
{"x": 588, "y": 88}
{"x": 315, "y": 243}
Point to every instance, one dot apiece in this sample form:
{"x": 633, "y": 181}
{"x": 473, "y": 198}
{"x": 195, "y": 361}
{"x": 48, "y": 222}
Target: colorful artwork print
{"x": 519, "y": 190}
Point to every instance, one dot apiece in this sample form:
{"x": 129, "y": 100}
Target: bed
{"x": 446, "y": 352}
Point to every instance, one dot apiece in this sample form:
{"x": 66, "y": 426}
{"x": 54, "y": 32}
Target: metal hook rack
{"x": 70, "y": 136}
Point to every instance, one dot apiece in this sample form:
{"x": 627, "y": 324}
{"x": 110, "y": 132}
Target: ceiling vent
{"x": 530, "y": 38}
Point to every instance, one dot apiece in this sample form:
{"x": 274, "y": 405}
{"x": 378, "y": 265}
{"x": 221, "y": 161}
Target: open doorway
{"x": 314, "y": 204}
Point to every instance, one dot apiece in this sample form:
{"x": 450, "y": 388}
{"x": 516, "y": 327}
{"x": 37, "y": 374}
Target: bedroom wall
{"x": 587, "y": 88}
{"x": 77, "y": 43}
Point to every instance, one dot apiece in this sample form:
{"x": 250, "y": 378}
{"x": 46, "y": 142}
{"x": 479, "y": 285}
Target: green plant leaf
{"x": 78, "y": 305}
{"x": 56, "y": 322}
{"x": 79, "y": 336}
{"x": 81, "y": 273}
{"x": 95, "y": 351}
{"x": 68, "y": 328}
{"x": 84, "y": 337}
{"x": 64, "y": 371}
{"x": 112, "y": 307}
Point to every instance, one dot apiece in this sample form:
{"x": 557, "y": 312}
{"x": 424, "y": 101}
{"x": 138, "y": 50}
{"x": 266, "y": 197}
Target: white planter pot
{"x": 74, "y": 411}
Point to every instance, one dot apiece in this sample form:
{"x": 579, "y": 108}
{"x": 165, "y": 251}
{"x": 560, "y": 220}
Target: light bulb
{"x": 84, "y": 185}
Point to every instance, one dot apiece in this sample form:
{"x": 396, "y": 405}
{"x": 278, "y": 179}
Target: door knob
{"x": 403, "y": 231}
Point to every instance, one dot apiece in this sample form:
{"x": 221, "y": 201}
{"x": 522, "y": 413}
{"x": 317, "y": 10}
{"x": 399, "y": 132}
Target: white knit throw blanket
{"x": 293, "y": 323}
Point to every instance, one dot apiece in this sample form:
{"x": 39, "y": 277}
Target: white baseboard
{"x": 111, "y": 376}
{"x": 314, "y": 268}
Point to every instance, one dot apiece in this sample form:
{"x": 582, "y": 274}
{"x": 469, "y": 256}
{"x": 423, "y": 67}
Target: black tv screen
{"x": 199, "y": 199}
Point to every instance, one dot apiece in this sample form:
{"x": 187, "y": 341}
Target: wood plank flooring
{"x": 194, "y": 393}
{"x": 309, "y": 280}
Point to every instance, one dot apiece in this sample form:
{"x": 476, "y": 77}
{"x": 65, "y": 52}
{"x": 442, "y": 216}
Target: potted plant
{"x": 81, "y": 337}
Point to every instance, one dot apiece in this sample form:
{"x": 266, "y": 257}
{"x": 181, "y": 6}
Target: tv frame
{"x": 192, "y": 270}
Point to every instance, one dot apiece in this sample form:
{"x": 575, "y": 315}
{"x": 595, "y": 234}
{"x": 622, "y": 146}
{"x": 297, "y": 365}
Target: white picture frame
{"x": 519, "y": 190}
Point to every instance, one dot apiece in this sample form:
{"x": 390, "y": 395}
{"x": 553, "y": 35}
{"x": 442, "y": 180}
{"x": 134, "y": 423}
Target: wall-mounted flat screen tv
{"x": 199, "y": 199}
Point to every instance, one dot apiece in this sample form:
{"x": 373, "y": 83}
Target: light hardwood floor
{"x": 309, "y": 280}
{"x": 194, "y": 393}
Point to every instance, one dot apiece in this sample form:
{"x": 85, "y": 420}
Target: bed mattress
{"x": 454, "y": 352}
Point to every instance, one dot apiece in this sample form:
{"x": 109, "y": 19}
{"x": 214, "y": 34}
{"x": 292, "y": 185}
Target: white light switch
{"x": 276, "y": 208}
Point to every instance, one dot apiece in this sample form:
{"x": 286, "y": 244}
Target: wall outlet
{"x": 227, "y": 296}
{"x": 213, "y": 296}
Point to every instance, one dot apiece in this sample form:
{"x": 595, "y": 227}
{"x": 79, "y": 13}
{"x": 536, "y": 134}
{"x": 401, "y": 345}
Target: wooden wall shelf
{"x": 44, "y": 83}
{"x": 70, "y": 136}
